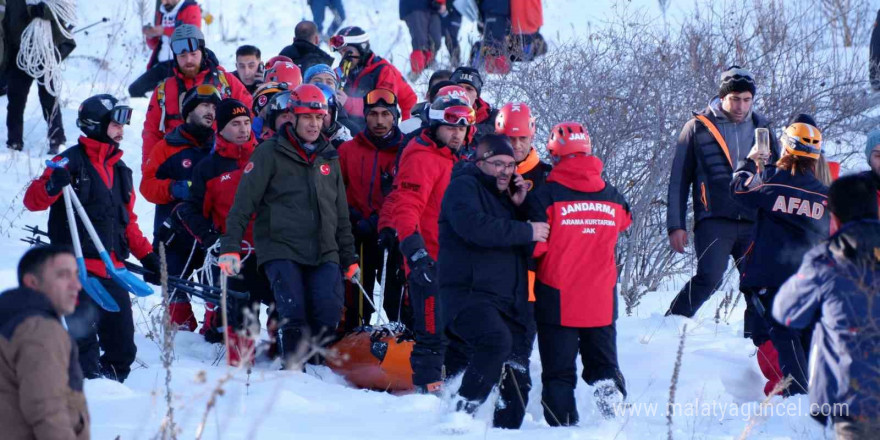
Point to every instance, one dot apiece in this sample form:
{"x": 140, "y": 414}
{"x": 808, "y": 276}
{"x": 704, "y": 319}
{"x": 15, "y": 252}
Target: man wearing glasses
{"x": 192, "y": 67}
{"x": 484, "y": 281}
{"x": 412, "y": 210}
{"x": 104, "y": 186}
{"x": 710, "y": 146}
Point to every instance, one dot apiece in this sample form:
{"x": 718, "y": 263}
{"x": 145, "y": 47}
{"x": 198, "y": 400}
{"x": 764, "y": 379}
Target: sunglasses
{"x": 383, "y": 95}
{"x": 459, "y": 115}
{"x": 121, "y": 114}
{"x": 185, "y": 45}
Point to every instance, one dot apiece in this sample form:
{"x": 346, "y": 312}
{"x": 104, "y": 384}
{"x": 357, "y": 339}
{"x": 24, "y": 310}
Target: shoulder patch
{"x": 249, "y": 167}
{"x": 325, "y": 169}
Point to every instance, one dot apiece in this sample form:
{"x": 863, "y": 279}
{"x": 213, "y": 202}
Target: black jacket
{"x": 305, "y": 54}
{"x": 483, "y": 249}
{"x": 16, "y": 19}
{"x": 702, "y": 167}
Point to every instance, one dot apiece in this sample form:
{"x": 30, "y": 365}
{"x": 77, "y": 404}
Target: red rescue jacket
{"x": 365, "y": 169}
{"x": 159, "y": 123}
{"x": 421, "y": 181}
{"x": 189, "y": 13}
{"x": 378, "y": 74}
{"x": 104, "y": 158}
{"x": 577, "y": 273}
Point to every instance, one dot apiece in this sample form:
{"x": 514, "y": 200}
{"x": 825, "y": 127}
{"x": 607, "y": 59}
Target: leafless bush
{"x": 635, "y": 82}
{"x": 169, "y": 429}
{"x": 847, "y": 19}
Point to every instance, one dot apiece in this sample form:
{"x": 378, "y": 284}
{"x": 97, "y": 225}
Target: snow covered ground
{"x": 719, "y": 386}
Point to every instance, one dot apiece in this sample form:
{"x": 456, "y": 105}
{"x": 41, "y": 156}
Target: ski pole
{"x": 364, "y": 293}
{"x": 103, "y": 20}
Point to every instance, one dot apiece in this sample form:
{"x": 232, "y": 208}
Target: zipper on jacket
{"x": 703, "y": 197}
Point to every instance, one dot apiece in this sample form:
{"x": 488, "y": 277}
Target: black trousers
{"x": 715, "y": 240}
{"x": 19, "y": 84}
{"x": 559, "y": 347}
{"x": 181, "y": 259}
{"x": 793, "y": 345}
{"x": 450, "y": 25}
{"x": 358, "y": 311}
{"x": 96, "y": 330}
{"x": 253, "y": 282}
{"x": 497, "y": 350}
{"x": 427, "y": 355}
{"x": 424, "y": 29}
{"x": 148, "y": 81}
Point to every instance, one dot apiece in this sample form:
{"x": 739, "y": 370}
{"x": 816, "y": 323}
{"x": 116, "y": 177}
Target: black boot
{"x": 289, "y": 340}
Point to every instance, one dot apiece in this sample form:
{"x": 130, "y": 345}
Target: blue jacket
{"x": 483, "y": 249}
{"x": 791, "y": 219}
{"x": 836, "y": 289}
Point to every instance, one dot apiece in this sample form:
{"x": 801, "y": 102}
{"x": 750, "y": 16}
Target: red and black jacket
{"x": 577, "y": 272}
{"x": 171, "y": 160}
{"x": 214, "y": 182}
{"x": 377, "y": 73}
{"x": 485, "y": 122}
{"x": 189, "y": 13}
{"x": 367, "y": 166}
{"x": 103, "y": 184}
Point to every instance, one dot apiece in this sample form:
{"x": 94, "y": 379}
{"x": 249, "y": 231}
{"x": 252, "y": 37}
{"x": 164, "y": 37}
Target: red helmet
{"x": 454, "y": 91}
{"x": 569, "y": 138}
{"x": 277, "y": 58}
{"x": 515, "y": 119}
{"x": 284, "y": 71}
{"x": 308, "y": 98}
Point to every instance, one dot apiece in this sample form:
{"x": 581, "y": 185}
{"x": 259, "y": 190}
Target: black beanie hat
{"x": 803, "y": 118}
{"x": 228, "y": 110}
{"x": 494, "y": 145}
{"x": 192, "y": 99}
{"x": 736, "y": 80}
{"x": 470, "y": 76}
{"x": 852, "y": 198}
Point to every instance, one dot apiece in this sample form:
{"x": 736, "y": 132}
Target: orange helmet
{"x": 569, "y": 138}
{"x": 284, "y": 71}
{"x": 264, "y": 93}
{"x": 454, "y": 91}
{"x": 802, "y": 139}
{"x": 515, "y": 119}
{"x": 307, "y": 98}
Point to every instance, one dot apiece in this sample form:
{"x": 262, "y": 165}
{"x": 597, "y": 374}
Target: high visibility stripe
{"x": 717, "y": 135}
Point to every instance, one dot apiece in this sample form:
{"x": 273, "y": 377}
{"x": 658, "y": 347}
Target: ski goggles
{"x": 185, "y": 45}
{"x": 121, "y": 114}
{"x": 455, "y": 115}
{"x": 339, "y": 41}
{"x": 307, "y": 105}
{"x": 378, "y": 96}
{"x": 208, "y": 91}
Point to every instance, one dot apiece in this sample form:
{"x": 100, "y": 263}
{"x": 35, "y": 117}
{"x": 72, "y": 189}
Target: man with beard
{"x": 193, "y": 65}
{"x": 483, "y": 281}
{"x": 301, "y": 232}
{"x": 411, "y": 212}
{"x": 104, "y": 186}
{"x": 166, "y": 181}
{"x": 367, "y": 163}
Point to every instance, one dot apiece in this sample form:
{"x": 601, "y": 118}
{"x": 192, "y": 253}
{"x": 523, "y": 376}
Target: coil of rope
{"x": 38, "y": 56}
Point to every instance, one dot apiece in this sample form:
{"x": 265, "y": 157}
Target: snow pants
{"x": 19, "y": 84}
{"x": 427, "y": 355}
{"x": 792, "y": 345}
{"x": 559, "y": 347}
{"x": 498, "y": 350}
{"x": 318, "y": 9}
{"x": 424, "y": 29}
{"x": 96, "y": 329}
{"x": 449, "y": 26}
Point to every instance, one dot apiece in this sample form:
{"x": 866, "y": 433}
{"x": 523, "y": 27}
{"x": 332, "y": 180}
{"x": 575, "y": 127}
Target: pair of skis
{"x": 91, "y": 285}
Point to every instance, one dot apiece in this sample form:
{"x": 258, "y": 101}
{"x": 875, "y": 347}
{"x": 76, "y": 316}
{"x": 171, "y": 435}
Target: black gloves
{"x": 422, "y": 270}
{"x": 152, "y": 264}
{"x": 387, "y": 239}
{"x": 59, "y": 178}
{"x": 366, "y": 227}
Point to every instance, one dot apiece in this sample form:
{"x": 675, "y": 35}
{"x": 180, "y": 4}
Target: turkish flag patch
{"x": 248, "y": 167}
{"x": 325, "y": 169}
{"x": 186, "y": 163}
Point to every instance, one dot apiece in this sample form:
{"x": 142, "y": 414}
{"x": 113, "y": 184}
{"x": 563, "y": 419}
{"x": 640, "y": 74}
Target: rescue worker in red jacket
{"x": 412, "y": 210}
{"x": 170, "y": 15}
{"x": 167, "y": 177}
{"x": 192, "y": 67}
{"x": 203, "y": 214}
{"x": 575, "y": 290}
{"x": 361, "y": 71}
{"x": 103, "y": 183}
{"x": 470, "y": 79}
{"x": 367, "y": 163}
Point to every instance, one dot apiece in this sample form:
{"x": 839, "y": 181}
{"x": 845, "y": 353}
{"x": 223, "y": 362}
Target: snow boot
{"x": 211, "y": 321}
{"x": 498, "y": 64}
{"x": 15, "y": 146}
{"x": 768, "y": 362}
{"x": 289, "y": 340}
{"x": 435, "y": 388}
{"x": 463, "y": 405}
{"x": 417, "y": 61}
{"x": 54, "y": 148}
{"x": 182, "y": 316}
{"x": 608, "y": 398}
{"x": 241, "y": 348}
{"x": 430, "y": 61}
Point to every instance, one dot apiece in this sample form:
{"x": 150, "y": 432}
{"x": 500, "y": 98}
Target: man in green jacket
{"x": 302, "y": 233}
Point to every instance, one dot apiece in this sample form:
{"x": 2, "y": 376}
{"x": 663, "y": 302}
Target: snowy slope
{"x": 718, "y": 372}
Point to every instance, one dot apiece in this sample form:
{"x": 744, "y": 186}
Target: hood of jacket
{"x": 240, "y": 152}
{"x": 739, "y": 136}
{"x": 580, "y": 173}
{"x": 15, "y": 301}
{"x": 858, "y": 242}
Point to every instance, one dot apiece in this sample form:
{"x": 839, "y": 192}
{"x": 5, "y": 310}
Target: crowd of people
{"x": 303, "y": 185}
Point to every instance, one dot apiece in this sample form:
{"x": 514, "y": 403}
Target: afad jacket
{"x": 577, "y": 272}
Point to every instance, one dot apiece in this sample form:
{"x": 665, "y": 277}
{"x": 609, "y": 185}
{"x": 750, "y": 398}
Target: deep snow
{"x": 718, "y": 374}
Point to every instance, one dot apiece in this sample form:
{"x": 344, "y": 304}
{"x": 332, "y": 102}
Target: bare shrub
{"x": 635, "y": 82}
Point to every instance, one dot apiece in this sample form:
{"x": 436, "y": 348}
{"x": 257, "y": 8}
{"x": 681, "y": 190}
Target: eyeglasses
{"x": 377, "y": 95}
{"x": 459, "y": 115}
{"x": 121, "y": 115}
{"x": 501, "y": 166}
{"x": 185, "y": 45}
